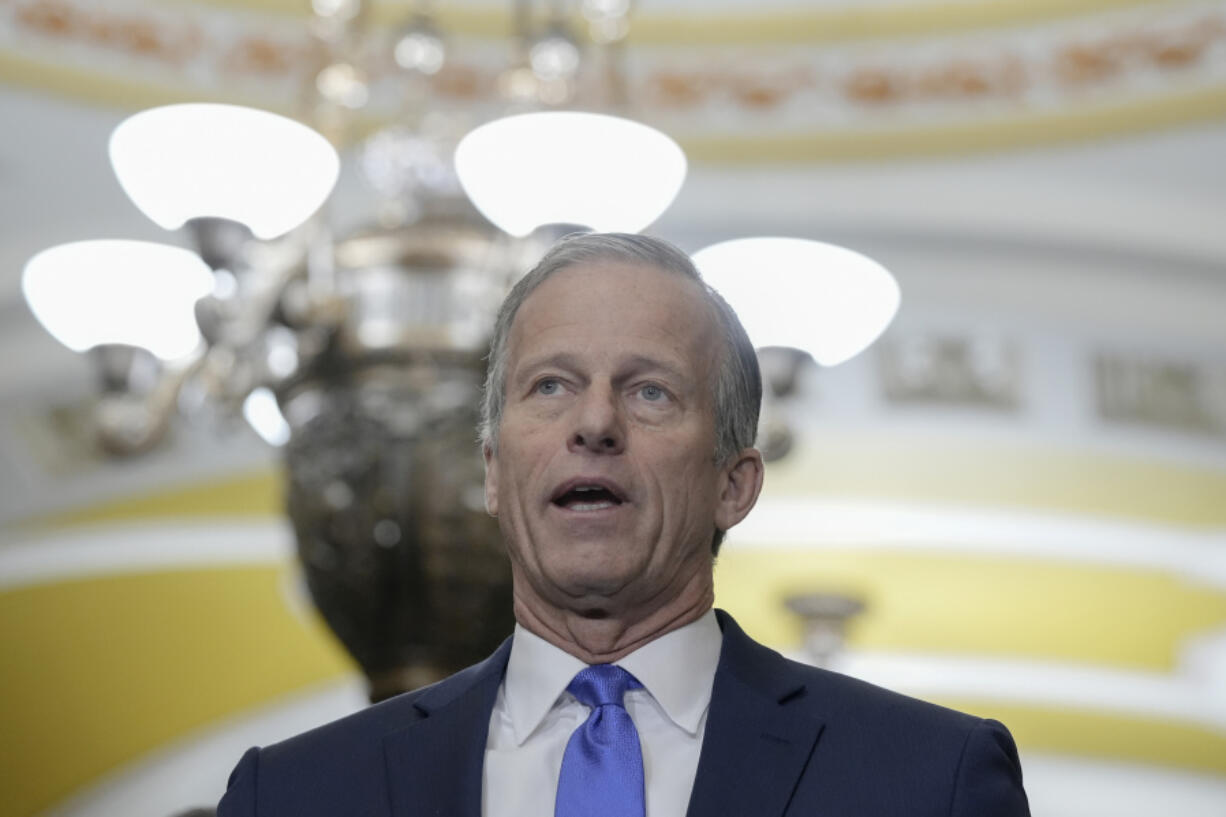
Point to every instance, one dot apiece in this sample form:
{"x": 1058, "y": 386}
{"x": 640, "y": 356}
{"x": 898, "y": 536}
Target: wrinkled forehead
{"x": 603, "y": 297}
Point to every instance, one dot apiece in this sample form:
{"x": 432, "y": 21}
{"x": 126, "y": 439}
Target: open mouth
{"x": 587, "y": 497}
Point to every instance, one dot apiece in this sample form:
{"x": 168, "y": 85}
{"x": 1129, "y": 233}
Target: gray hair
{"x": 738, "y": 382}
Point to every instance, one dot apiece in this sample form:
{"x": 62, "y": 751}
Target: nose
{"x": 598, "y": 423}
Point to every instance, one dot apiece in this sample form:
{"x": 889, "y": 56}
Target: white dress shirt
{"x": 534, "y": 717}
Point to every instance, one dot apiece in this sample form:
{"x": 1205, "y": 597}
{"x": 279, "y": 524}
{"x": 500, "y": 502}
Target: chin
{"x": 591, "y": 588}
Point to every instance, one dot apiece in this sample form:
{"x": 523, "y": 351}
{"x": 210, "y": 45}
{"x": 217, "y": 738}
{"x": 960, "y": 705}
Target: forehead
{"x": 628, "y": 305}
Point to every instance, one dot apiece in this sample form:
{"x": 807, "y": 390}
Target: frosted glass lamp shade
{"x": 90, "y": 293}
{"x": 829, "y": 301}
{"x": 562, "y": 167}
{"x": 180, "y": 162}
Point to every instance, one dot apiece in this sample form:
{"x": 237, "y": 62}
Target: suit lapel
{"x": 434, "y": 765}
{"x": 755, "y": 746}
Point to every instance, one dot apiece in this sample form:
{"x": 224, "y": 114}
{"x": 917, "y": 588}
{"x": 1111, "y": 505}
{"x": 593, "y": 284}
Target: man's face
{"x": 604, "y": 482}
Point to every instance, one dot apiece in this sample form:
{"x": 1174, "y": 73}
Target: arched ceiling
{"x": 736, "y": 82}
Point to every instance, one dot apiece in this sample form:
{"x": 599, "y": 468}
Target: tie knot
{"x": 602, "y": 684}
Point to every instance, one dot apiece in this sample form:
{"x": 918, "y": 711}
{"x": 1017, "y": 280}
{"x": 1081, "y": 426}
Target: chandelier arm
{"x": 259, "y": 307}
{"x": 127, "y": 424}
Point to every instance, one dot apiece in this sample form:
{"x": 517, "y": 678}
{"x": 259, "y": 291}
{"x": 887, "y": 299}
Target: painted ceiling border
{"x": 1102, "y": 120}
{"x": 780, "y": 25}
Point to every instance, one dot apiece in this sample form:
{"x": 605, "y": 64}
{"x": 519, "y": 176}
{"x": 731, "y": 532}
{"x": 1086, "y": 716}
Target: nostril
{"x": 595, "y": 442}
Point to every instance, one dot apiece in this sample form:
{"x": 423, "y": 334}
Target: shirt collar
{"x": 537, "y": 674}
{"x": 678, "y": 669}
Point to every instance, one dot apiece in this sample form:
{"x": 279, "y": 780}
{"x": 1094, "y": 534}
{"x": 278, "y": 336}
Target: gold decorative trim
{"x": 1111, "y": 737}
{"x": 107, "y": 90}
{"x": 1014, "y": 475}
{"x": 251, "y": 494}
{"x": 1133, "y": 116}
{"x": 880, "y": 465}
{"x": 862, "y": 22}
{"x": 715, "y": 27}
{"x": 1002, "y": 133}
{"x": 128, "y": 663}
{"x": 1133, "y": 72}
{"x": 960, "y": 603}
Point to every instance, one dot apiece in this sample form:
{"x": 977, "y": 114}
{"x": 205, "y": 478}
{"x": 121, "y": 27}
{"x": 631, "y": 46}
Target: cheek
{"x": 688, "y": 488}
{"x": 521, "y": 480}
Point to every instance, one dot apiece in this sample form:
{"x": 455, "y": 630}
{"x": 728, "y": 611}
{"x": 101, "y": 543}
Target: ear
{"x": 491, "y": 479}
{"x": 741, "y": 482}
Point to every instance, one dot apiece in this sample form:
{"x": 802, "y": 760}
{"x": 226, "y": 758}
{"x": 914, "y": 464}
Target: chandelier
{"x": 362, "y": 353}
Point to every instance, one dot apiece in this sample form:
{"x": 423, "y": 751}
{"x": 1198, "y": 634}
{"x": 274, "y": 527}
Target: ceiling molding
{"x": 1142, "y": 67}
{"x": 727, "y": 23}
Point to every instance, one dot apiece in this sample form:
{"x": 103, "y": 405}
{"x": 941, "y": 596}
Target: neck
{"x": 609, "y": 635}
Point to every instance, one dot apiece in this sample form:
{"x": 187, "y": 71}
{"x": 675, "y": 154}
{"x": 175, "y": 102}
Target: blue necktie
{"x": 602, "y": 769}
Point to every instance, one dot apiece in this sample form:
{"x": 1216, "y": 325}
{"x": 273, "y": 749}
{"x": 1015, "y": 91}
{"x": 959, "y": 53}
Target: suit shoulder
{"x": 333, "y": 768}
{"x": 946, "y": 760}
{"x": 339, "y": 767}
{"x": 842, "y": 694}
{"x": 365, "y": 725}
{"x": 870, "y": 750}
{"x": 368, "y": 726}
{"x": 978, "y": 754}
{"x": 827, "y": 694}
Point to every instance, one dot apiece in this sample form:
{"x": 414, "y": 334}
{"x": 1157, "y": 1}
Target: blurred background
{"x": 1013, "y": 502}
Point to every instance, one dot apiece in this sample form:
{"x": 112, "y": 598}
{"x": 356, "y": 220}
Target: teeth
{"x": 590, "y": 506}
{"x": 605, "y": 498}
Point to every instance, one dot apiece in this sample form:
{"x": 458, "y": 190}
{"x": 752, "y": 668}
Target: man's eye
{"x": 652, "y": 392}
{"x": 548, "y": 386}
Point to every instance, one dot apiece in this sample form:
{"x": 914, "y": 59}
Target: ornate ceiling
{"x": 735, "y": 82}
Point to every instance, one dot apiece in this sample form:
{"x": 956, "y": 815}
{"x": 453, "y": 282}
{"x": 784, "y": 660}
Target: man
{"x": 621, "y": 409}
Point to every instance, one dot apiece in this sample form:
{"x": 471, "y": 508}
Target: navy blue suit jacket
{"x": 782, "y": 738}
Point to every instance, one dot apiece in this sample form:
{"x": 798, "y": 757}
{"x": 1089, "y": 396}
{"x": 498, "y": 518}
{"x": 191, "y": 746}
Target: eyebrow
{"x": 559, "y": 360}
{"x": 640, "y": 363}
{"x": 633, "y": 365}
